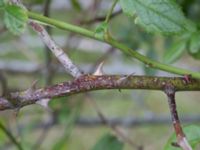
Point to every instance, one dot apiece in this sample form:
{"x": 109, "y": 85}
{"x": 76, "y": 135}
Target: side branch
{"x": 58, "y": 52}
{"x": 181, "y": 139}
{"x": 87, "y": 83}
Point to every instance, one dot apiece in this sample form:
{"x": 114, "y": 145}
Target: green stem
{"x": 110, "y": 11}
{"x": 61, "y": 25}
{"x": 152, "y": 63}
{"x": 114, "y": 43}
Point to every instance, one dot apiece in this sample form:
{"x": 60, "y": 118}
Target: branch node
{"x": 169, "y": 90}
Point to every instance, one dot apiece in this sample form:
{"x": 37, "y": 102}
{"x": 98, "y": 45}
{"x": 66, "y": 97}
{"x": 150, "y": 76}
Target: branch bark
{"x": 181, "y": 138}
{"x": 87, "y": 83}
{"x": 58, "y": 52}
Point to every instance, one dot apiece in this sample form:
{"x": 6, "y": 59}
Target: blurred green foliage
{"x": 108, "y": 142}
{"x": 193, "y": 136}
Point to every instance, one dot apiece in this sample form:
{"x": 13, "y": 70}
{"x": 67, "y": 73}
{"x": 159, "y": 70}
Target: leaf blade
{"x": 194, "y": 45}
{"x": 175, "y": 52}
{"x": 163, "y": 16}
{"x": 15, "y": 19}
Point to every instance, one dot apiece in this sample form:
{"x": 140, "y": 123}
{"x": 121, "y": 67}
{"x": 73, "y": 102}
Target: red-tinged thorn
{"x": 187, "y": 78}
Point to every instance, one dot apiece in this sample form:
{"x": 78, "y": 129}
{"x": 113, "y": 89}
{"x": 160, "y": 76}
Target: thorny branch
{"x": 181, "y": 139}
{"x": 87, "y": 83}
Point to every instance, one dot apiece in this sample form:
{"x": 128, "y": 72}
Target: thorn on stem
{"x": 32, "y": 87}
{"x": 44, "y": 103}
{"x": 187, "y": 78}
{"x": 99, "y": 70}
{"x": 125, "y": 78}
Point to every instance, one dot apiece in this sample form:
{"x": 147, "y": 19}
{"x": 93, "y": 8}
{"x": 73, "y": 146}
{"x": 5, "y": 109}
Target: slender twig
{"x": 101, "y": 18}
{"x": 87, "y": 83}
{"x": 111, "y": 11}
{"x": 58, "y": 52}
{"x": 87, "y": 33}
{"x": 11, "y": 137}
{"x": 131, "y": 121}
{"x": 134, "y": 121}
{"x": 48, "y": 56}
{"x": 41, "y": 138}
{"x": 181, "y": 139}
{"x": 117, "y": 130}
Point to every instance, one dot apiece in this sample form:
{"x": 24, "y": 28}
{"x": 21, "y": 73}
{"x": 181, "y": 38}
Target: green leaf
{"x": 175, "y": 52}
{"x": 193, "y": 136}
{"x": 15, "y": 18}
{"x": 163, "y": 16}
{"x": 194, "y": 45}
{"x": 108, "y": 142}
